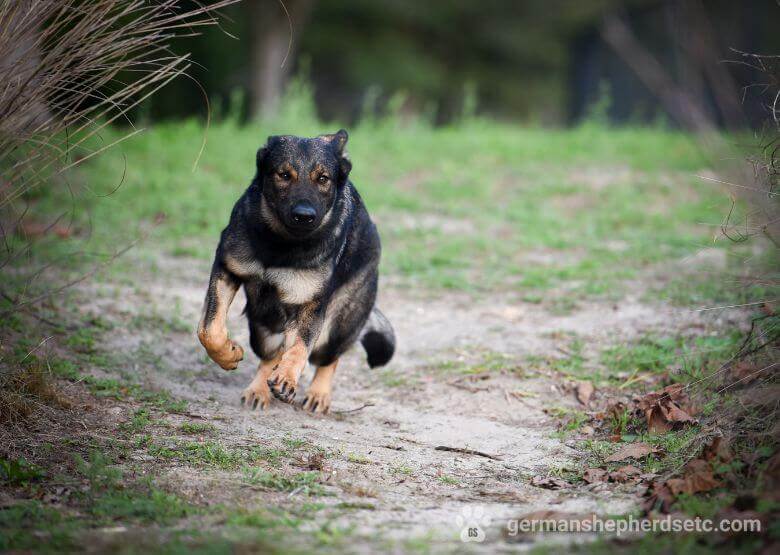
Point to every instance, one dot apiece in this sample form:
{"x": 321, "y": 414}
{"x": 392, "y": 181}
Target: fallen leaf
{"x": 698, "y": 477}
{"x": 593, "y": 475}
{"x": 656, "y": 422}
{"x": 623, "y": 473}
{"x": 718, "y": 448}
{"x": 743, "y": 373}
{"x": 629, "y": 470}
{"x": 667, "y": 408}
{"x": 584, "y": 392}
{"x": 636, "y": 450}
{"x": 660, "y": 498}
{"x": 548, "y": 482}
{"x": 673, "y": 413}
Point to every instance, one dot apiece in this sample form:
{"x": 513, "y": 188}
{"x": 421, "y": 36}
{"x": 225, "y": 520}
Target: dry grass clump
{"x": 68, "y": 69}
{"x": 25, "y": 389}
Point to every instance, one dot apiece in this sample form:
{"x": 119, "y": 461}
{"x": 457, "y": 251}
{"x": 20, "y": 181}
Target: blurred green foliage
{"x": 475, "y": 205}
{"x": 517, "y": 59}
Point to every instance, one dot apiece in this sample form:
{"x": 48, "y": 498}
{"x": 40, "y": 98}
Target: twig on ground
{"x": 365, "y": 405}
{"x": 518, "y": 395}
{"x": 457, "y": 382}
{"x": 465, "y": 451}
{"x": 469, "y": 388}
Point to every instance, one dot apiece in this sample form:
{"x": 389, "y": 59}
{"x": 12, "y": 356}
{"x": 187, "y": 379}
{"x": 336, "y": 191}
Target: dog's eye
{"x": 323, "y": 179}
{"x": 285, "y": 176}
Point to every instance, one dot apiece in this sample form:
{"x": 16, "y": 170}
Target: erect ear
{"x": 263, "y": 151}
{"x": 338, "y": 140}
{"x": 260, "y": 158}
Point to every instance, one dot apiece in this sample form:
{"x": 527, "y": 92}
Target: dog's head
{"x": 300, "y": 180}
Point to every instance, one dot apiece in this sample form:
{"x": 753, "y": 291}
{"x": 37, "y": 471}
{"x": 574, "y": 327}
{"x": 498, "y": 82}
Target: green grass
{"x": 357, "y": 458}
{"x": 686, "y": 358}
{"x": 448, "y": 480}
{"x": 18, "y": 472}
{"x": 122, "y": 390}
{"x": 473, "y": 206}
{"x": 83, "y": 344}
{"x": 488, "y": 361}
{"x": 206, "y": 452}
{"x": 306, "y": 483}
{"x": 197, "y": 428}
{"x": 569, "y": 420}
{"x": 22, "y": 524}
{"x": 140, "y": 420}
{"x": 107, "y": 498}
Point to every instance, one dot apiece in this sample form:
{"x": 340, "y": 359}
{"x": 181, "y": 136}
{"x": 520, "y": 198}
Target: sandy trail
{"x": 384, "y": 457}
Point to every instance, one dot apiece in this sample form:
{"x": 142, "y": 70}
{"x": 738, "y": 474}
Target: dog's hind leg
{"x": 318, "y": 394}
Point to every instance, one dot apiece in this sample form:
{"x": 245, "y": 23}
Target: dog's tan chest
{"x": 295, "y": 286}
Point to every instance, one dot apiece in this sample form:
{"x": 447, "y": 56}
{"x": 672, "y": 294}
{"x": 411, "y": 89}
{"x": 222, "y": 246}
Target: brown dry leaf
{"x": 718, "y": 448}
{"x": 666, "y": 408}
{"x": 660, "y": 498}
{"x": 744, "y": 373}
{"x": 629, "y": 470}
{"x": 636, "y": 450}
{"x": 593, "y": 475}
{"x": 698, "y": 477}
{"x": 656, "y": 423}
{"x": 623, "y": 473}
{"x": 585, "y": 392}
{"x": 548, "y": 482}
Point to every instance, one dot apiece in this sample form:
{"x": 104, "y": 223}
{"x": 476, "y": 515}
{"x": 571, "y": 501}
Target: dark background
{"x": 533, "y": 61}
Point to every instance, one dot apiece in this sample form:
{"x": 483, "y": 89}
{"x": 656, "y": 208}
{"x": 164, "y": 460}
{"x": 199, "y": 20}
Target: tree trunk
{"x": 273, "y": 48}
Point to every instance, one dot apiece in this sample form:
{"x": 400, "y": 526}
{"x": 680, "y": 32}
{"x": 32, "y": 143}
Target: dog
{"x": 303, "y": 246}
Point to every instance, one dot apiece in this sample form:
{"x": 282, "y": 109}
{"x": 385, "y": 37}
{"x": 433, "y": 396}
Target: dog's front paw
{"x": 257, "y": 394}
{"x": 283, "y": 382}
{"x": 227, "y": 355}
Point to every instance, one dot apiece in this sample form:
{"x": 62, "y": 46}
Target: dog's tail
{"x": 378, "y": 339}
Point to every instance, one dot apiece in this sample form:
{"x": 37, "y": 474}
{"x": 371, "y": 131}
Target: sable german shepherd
{"x": 301, "y": 243}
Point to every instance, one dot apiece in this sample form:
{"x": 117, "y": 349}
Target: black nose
{"x": 303, "y": 213}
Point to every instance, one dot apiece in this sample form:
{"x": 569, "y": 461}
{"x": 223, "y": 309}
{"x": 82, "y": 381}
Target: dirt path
{"x": 382, "y": 461}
